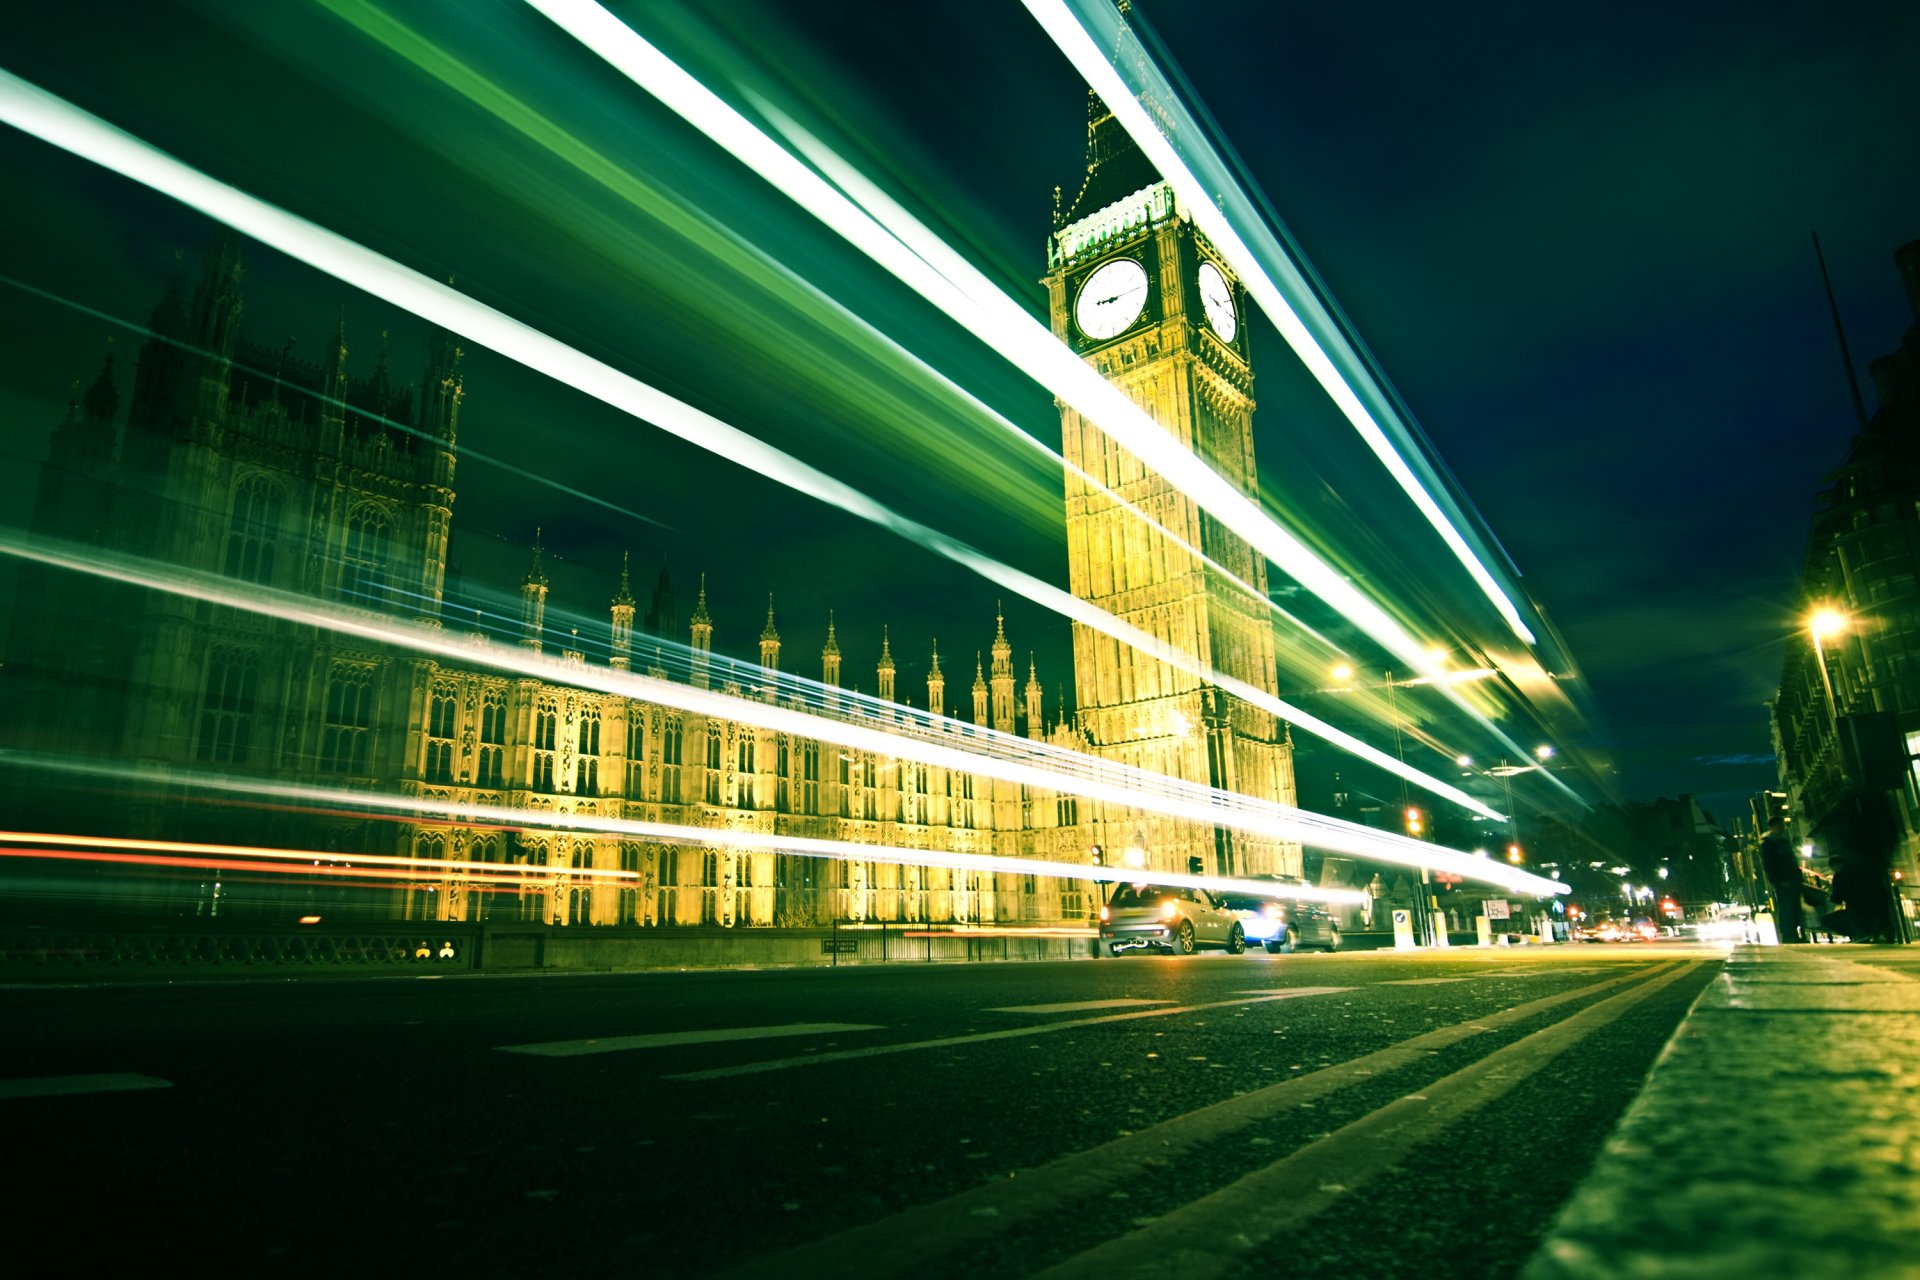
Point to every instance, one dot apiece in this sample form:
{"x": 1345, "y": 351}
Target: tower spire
{"x": 533, "y": 599}
{"x": 622, "y": 610}
{"x": 830, "y": 655}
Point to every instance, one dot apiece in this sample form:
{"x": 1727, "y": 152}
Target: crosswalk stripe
{"x": 1014, "y": 1033}
{"x": 1076, "y": 1006}
{"x": 673, "y": 1039}
{"x": 66, "y": 1086}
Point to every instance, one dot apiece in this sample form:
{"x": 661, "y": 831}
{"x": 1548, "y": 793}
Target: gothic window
{"x": 586, "y": 773}
{"x": 226, "y": 711}
{"x": 713, "y": 764}
{"x": 442, "y": 712}
{"x": 846, "y": 785}
{"x": 810, "y": 777}
{"x": 636, "y": 751}
{"x": 670, "y": 754}
{"x": 709, "y": 883}
{"x": 746, "y": 770}
{"x": 782, "y": 785}
{"x": 963, "y": 809}
{"x": 1026, "y": 807}
{"x": 629, "y": 883}
{"x": 363, "y": 570}
{"x": 253, "y": 531}
{"x": 1067, "y": 811}
{"x": 493, "y": 738}
{"x": 870, "y": 792}
{"x": 347, "y": 729}
{"x": 546, "y": 732}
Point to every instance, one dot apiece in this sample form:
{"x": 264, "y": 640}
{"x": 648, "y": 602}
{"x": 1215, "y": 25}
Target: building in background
{"x": 1846, "y": 719}
{"x": 239, "y": 461}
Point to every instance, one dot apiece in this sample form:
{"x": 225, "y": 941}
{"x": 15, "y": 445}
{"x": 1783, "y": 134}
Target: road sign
{"x": 1403, "y": 929}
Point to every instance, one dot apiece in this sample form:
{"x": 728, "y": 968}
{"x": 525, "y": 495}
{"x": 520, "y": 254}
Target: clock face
{"x": 1111, "y": 299}
{"x": 1217, "y": 297}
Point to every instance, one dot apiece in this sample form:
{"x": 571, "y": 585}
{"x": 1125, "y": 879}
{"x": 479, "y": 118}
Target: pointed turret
{"x": 102, "y": 400}
{"x": 830, "y": 656}
{"x": 622, "y": 610}
{"x": 979, "y": 691}
{"x": 661, "y": 622}
{"x": 936, "y": 685}
{"x": 1035, "y": 723}
{"x": 214, "y": 328}
{"x": 886, "y": 669}
{"x": 770, "y": 646}
{"x": 702, "y": 632}
{"x": 162, "y": 364}
{"x": 440, "y": 387}
{"x": 334, "y": 390}
{"x": 533, "y": 599}
{"x": 1002, "y": 675}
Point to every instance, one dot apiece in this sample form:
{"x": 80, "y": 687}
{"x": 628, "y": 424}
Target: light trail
{"x": 976, "y": 304}
{"x": 988, "y": 753}
{"x": 44, "y": 115}
{"x": 1222, "y": 211}
{"x": 701, "y": 229}
{"x": 467, "y": 452}
{"x": 375, "y": 864}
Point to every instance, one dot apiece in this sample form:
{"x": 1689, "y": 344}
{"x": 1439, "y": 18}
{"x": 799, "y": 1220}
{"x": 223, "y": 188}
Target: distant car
{"x": 1169, "y": 918}
{"x": 1285, "y": 924}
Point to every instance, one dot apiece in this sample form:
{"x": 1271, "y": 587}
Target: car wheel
{"x": 1236, "y": 941}
{"x": 1273, "y": 948}
{"x": 1183, "y": 939}
{"x": 1333, "y": 941}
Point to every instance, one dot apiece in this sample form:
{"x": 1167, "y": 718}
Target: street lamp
{"x": 1825, "y": 623}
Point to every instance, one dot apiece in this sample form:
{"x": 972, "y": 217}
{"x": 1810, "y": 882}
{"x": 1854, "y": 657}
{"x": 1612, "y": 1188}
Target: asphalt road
{"x": 1352, "y": 1115}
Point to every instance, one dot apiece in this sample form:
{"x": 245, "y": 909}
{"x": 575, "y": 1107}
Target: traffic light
{"x": 1513, "y": 854}
{"x": 1099, "y": 856}
{"x": 1416, "y": 822}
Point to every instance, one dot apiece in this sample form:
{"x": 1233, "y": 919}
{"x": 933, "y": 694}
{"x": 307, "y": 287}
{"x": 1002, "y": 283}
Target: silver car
{"x": 1169, "y": 918}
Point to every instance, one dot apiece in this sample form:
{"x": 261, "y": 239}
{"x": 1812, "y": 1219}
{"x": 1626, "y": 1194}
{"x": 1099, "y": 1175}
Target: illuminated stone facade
{"x": 1187, "y": 366}
{"x": 239, "y": 461}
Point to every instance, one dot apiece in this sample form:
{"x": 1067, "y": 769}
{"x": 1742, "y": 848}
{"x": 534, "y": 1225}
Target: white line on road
{"x": 672, "y": 1039}
{"x": 1077, "y": 1006}
{"x": 979, "y": 1037}
{"x": 64, "y": 1086}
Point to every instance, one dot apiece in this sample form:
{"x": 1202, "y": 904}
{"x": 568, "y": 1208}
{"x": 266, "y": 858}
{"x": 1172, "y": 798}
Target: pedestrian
{"x": 1777, "y": 859}
{"x": 1860, "y": 885}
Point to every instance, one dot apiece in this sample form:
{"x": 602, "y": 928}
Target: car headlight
{"x": 1169, "y": 909}
{"x": 1106, "y": 915}
{"x": 1272, "y": 911}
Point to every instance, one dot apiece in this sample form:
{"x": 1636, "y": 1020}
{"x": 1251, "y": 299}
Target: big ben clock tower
{"x": 1135, "y": 288}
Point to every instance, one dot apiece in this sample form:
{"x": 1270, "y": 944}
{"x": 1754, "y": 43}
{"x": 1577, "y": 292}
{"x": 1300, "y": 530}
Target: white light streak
{"x": 979, "y": 751}
{"x": 52, "y": 119}
{"x": 920, "y": 261}
{"x": 1216, "y": 205}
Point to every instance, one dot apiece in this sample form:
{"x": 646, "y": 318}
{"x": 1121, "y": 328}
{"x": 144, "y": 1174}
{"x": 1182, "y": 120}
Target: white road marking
{"x": 1077, "y": 1006}
{"x": 979, "y": 1037}
{"x": 672, "y": 1039}
{"x": 65, "y": 1086}
{"x": 1424, "y": 982}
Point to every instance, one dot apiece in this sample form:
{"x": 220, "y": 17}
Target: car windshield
{"x": 1245, "y": 902}
{"x": 1142, "y": 895}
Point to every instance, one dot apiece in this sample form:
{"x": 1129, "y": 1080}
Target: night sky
{"x": 1578, "y": 243}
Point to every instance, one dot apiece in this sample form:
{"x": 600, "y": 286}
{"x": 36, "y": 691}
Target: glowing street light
{"x": 1826, "y": 623}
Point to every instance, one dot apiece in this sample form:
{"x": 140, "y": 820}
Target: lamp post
{"x": 1826, "y": 622}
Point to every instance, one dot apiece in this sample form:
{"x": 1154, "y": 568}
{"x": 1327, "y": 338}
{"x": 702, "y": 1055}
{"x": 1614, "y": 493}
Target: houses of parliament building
{"x": 238, "y": 460}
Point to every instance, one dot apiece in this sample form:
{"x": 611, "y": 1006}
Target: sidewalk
{"x": 1778, "y": 1134}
